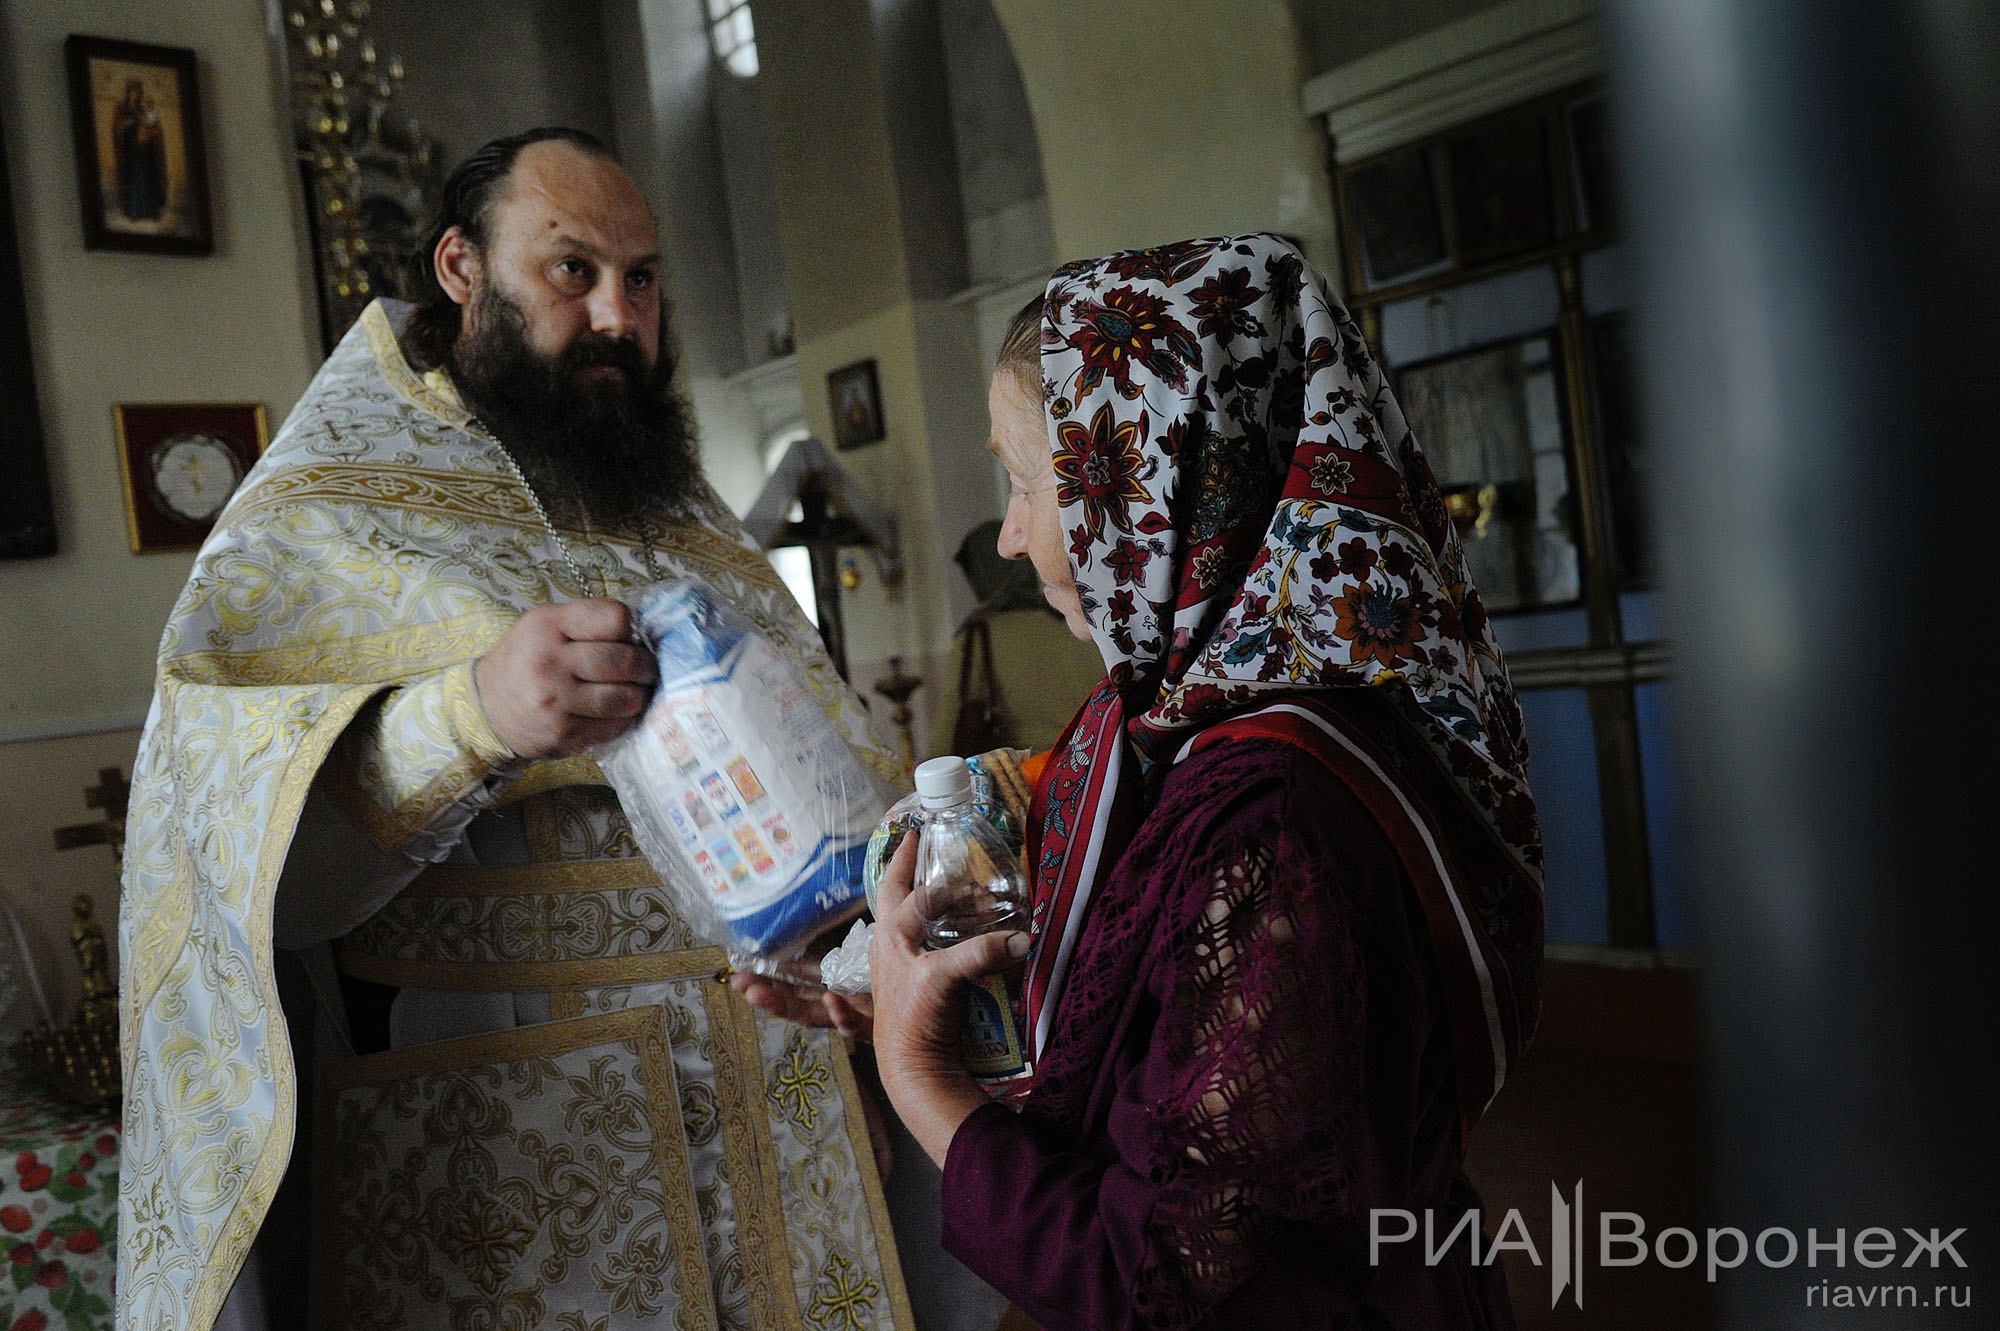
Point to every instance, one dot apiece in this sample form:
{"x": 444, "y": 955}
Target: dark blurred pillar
{"x": 1817, "y": 184}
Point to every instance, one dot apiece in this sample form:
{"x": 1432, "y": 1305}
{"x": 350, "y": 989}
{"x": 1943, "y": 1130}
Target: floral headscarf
{"x": 1257, "y": 540}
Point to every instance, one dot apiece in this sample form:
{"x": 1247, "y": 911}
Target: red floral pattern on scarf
{"x": 1129, "y": 329}
{"x": 1100, "y": 470}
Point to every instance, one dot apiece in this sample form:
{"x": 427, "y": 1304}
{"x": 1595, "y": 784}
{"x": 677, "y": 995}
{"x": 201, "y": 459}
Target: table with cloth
{"x": 58, "y": 1210}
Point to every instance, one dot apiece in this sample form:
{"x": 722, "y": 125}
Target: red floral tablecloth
{"x": 58, "y": 1212}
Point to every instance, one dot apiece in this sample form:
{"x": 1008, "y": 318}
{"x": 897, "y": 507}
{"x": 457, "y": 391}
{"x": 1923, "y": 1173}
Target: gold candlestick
{"x": 80, "y": 1060}
{"x": 897, "y": 688}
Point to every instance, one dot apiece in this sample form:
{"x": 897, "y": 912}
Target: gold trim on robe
{"x": 529, "y": 1172}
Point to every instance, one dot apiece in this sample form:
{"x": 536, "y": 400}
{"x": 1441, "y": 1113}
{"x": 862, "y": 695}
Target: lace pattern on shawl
{"x": 1264, "y": 1030}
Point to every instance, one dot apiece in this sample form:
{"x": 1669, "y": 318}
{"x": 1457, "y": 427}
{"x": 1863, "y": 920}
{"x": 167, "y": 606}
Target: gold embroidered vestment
{"x": 640, "y": 1145}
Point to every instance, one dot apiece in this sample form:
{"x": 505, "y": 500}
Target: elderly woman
{"x": 1286, "y": 867}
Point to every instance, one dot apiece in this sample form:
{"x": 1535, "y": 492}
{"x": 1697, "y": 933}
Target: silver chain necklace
{"x": 653, "y": 570}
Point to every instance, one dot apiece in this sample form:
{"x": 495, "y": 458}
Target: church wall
{"x": 907, "y": 620}
{"x": 917, "y": 112}
{"x": 1157, "y": 131}
{"x": 76, "y": 660}
{"x": 837, "y": 191}
{"x": 530, "y": 62}
{"x": 1338, "y": 31}
{"x": 1000, "y": 162}
{"x": 750, "y": 199}
{"x": 841, "y": 219}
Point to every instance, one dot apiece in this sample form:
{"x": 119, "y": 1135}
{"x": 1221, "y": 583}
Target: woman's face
{"x": 1033, "y": 529}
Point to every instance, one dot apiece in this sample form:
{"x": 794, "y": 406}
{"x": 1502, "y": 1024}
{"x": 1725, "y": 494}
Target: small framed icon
{"x": 141, "y": 169}
{"x": 180, "y": 464}
{"x": 856, "y": 399}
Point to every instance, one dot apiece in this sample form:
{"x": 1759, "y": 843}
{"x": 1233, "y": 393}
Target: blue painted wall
{"x": 1562, "y": 771}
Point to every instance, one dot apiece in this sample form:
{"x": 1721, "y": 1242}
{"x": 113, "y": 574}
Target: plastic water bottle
{"x": 968, "y": 883}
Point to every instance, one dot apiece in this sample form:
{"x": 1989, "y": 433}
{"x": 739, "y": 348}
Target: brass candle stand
{"x": 373, "y": 176}
{"x": 897, "y": 688}
{"x": 79, "y": 1061}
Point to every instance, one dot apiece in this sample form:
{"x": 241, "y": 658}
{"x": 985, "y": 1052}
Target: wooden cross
{"x": 112, "y": 793}
{"x": 823, "y": 532}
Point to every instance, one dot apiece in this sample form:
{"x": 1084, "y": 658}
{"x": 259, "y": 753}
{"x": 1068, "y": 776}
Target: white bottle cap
{"x": 944, "y": 781}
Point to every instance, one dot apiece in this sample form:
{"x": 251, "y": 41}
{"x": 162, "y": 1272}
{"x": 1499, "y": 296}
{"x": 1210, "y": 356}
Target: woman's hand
{"x": 918, "y": 1008}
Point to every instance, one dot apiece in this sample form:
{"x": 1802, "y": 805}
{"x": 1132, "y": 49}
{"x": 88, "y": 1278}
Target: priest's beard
{"x": 600, "y": 450}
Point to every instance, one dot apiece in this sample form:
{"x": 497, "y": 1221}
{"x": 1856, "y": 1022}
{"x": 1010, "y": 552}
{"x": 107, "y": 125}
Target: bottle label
{"x": 991, "y": 1033}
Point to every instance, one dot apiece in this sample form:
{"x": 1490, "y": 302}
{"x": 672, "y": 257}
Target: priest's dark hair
{"x": 470, "y": 192}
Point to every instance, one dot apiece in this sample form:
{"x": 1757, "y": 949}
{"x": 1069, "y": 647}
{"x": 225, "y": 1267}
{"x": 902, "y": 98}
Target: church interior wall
{"x": 750, "y": 200}
{"x": 1005, "y": 203}
{"x": 76, "y": 661}
{"x": 838, "y": 212}
{"x": 959, "y": 207}
{"x": 1153, "y": 131}
{"x": 536, "y": 62}
{"x": 884, "y": 621}
{"x": 916, "y": 113}
{"x": 1337, "y": 31}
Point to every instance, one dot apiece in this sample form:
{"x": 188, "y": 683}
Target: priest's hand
{"x": 918, "y": 1008}
{"x": 565, "y": 677}
{"x": 853, "y": 1015}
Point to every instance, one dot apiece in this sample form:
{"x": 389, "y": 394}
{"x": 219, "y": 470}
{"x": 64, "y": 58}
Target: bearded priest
{"x": 529, "y": 1099}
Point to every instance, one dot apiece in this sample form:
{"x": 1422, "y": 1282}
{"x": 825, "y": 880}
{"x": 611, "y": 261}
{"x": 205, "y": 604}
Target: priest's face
{"x": 559, "y": 350}
{"x": 571, "y": 245}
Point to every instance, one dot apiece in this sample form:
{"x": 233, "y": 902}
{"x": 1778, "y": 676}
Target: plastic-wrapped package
{"x": 739, "y": 789}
